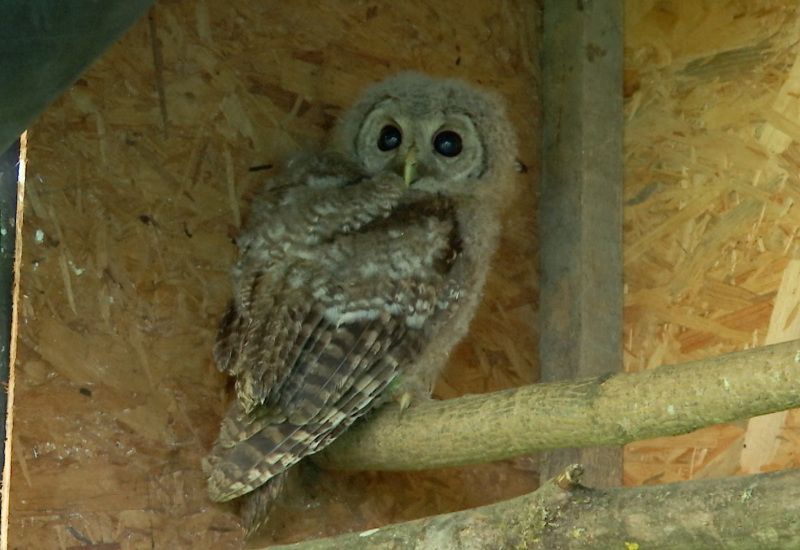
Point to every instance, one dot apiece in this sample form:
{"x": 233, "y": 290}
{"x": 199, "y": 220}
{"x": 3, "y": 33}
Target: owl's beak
{"x": 410, "y": 165}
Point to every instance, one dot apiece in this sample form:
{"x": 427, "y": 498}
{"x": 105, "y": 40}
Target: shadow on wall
{"x": 46, "y": 45}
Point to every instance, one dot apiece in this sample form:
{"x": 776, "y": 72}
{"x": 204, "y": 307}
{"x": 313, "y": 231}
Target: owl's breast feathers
{"x": 414, "y": 213}
{"x": 316, "y": 337}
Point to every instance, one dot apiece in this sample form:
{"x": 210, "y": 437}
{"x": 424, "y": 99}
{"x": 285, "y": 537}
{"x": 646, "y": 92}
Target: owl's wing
{"x": 310, "y": 360}
{"x": 338, "y": 375}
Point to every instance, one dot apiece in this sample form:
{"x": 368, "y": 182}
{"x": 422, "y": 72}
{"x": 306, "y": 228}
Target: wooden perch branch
{"x": 620, "y": 409}
{"x": 745, "y": 512}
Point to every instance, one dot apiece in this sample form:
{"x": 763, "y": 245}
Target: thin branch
{"x": 738, "y": 513}
{"x": 447, "y": 531}
{"x": 620, "y": 409}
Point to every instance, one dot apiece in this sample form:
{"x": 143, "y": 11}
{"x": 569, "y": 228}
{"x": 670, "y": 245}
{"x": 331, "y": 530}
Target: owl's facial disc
{"x": 430, "y": 149}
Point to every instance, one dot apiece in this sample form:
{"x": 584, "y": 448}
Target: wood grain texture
{"x": 581, "y": 208}
{"x": 711, "y": 194}
{"x": 128, "y": 249}
{"x": 613, "y": 410}
{"x": 762, "y": 437}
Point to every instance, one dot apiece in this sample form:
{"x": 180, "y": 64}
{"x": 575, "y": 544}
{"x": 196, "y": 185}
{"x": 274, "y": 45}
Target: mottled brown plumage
{"x": 359, "y": 270}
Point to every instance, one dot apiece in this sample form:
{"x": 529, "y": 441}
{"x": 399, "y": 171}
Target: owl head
{"x": 439, "y": 134}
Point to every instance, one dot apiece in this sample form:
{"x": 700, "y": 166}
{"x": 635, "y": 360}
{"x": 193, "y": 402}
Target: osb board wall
{"x": 138, "y": 178}
{"x": 712, "y": 150}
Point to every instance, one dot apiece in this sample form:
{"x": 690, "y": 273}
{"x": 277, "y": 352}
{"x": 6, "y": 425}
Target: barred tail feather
{"x": 256, "y": 506}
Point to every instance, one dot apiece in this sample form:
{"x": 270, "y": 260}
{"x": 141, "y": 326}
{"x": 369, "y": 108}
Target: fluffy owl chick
{"x": 359, "y": 270}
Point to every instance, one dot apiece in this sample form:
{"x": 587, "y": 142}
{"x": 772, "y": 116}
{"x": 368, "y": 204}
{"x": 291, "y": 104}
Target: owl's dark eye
{"x": 448, "y": 143}
{"x": 390, "y": 138}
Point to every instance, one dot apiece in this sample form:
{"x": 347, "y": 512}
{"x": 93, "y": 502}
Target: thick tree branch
{"x": 745, "y": 512}
{"x": 620, "y": 409}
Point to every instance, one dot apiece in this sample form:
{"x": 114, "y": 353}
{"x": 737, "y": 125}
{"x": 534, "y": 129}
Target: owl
{"x": 360, "y": 267}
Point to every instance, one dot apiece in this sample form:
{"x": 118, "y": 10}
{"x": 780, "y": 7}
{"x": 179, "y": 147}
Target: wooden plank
{"x": 711, "y": 110}
{"x": 762, "y": 437}
{"x": 581, "y": 251}
{"x": 128, "y": 249}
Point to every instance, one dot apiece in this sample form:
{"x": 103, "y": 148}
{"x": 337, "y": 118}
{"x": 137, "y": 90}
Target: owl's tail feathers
{"x": 255, "y": 506}
{"x": 235, "y": 469}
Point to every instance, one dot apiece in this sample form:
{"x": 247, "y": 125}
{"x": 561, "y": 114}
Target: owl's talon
{"x": 404, "y": 400}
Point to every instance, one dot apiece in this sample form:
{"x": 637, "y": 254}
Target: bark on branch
{"x": 746, "y": 512}
{"x": 626, "y": 407}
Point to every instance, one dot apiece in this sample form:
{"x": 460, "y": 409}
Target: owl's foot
{"x": 406, "y": 397}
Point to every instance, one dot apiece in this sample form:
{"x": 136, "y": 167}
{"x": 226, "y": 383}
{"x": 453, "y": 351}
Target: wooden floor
{"x": 128, "y": 226}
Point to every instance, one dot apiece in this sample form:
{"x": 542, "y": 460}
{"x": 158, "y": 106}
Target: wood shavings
{"x": 67, "y": 279}
{"x": 232, "y": 195}
{"x": 147, "y": 217}
{"x": 712, "y": 126}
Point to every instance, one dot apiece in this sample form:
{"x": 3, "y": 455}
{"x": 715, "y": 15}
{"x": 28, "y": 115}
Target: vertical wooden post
{"x": 581, "y": 210}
